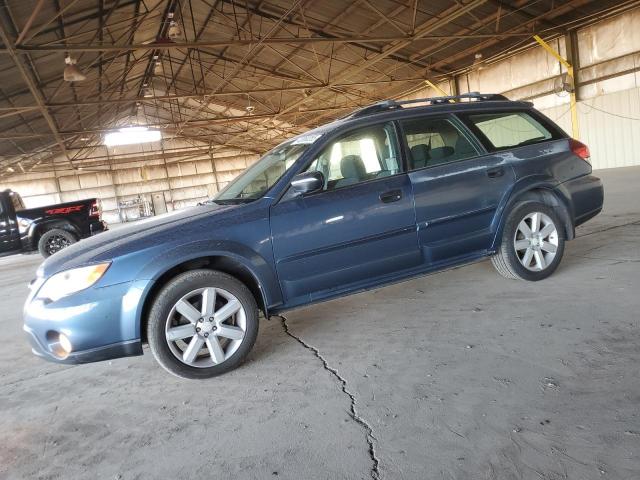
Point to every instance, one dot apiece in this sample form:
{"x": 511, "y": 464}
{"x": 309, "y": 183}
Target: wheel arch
{"x": 542, "y": 192}
{"x": 222, "y": 262}
{"x": 38, "y": 229}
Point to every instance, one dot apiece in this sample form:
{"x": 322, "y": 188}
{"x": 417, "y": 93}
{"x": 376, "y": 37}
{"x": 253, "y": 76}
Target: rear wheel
{"x": 203, "y": 323}
{"x": 532, "y": 242}
{"x": 52, "y": 241}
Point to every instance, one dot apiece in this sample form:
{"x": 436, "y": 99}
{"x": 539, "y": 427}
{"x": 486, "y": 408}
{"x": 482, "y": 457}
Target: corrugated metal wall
{"x": 181, "y": 183}
{"x": 609, "y": 124}
{"x": 608, "y": 91}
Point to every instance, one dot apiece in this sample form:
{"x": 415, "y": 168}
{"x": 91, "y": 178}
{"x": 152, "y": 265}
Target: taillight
{"x": 95, "y": 209}
{"x": 580, "y": 149}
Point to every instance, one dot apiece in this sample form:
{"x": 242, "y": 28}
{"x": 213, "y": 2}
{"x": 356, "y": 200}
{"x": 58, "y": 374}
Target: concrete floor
{"x": 459, "y": 375}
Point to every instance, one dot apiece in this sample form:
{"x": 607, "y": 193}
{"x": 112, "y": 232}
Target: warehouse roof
{"x": 221, "y": 72}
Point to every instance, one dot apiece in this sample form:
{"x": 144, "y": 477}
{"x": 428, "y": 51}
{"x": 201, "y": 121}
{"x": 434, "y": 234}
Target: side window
{"x": 509, "y": 129}
{"x": 434, "y": 141}
{"x": 365, "y": 154}
{"x": 17, "y": 202}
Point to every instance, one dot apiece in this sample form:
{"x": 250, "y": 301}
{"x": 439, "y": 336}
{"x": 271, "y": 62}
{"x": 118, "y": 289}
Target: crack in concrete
{"x": 606, "y": 229}
{"x": 353, "y": 412}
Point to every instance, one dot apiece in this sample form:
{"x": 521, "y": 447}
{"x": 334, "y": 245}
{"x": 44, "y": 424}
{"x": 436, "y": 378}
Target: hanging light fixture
{"x": 174, "y": 30}
{"x": 478, "y": 62}
{"x": 131, "y": 135}
{"x": 71, "y": 72}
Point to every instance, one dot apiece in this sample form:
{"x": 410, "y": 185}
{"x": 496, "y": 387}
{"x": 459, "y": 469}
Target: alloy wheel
{"x": 536, "y": 241}
{"x": 56, "y": 243}
{"x": 205, "y": 327}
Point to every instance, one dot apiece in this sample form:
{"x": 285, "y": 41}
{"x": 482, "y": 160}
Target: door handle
{"x": 391, "y": 196}
{"x": 495, "y": 172}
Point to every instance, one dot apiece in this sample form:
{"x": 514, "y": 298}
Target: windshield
{"x": 261, "y": 176}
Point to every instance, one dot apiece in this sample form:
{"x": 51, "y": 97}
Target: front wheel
{"x": 532, "y": 242}
{"x": 52, "y": 241}
{"x": 202, "y": 323}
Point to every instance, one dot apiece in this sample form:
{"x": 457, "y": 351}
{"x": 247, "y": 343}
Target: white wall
{"x": 608, "y": 91}
{"x": 183, "y": 182}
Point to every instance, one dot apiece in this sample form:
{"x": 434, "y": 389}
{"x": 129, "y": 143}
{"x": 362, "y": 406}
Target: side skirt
{"x": 379, "y": 282}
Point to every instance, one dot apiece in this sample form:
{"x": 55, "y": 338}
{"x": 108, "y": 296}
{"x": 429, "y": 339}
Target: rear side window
{"x": 434, "y": 141}
{"x": 509, "y": 129}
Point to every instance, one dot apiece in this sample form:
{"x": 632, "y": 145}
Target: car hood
{"x": 99, "y": 246}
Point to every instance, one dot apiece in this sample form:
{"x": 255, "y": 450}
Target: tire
{"x": 52, "y": 241}
{"x": 534, "y": 255}
{"x": 183, "y": 339}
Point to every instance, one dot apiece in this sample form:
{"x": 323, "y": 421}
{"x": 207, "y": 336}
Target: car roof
{"x": 389, "y": 110}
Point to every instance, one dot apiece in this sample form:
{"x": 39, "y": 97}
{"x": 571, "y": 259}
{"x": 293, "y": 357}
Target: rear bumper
{"x": 98, "y": 227}
{"x": 586, "y": 197}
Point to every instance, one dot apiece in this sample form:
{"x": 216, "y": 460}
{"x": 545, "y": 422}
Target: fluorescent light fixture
{"x": 131, "y": 135}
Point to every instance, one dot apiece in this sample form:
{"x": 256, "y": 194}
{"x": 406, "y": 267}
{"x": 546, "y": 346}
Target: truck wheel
{"x": 53, "y": 241}
{"x": 202, "y": 323}
{"x": 532, "y": 242}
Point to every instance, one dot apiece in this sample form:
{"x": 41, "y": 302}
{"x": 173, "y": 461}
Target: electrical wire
{"x": 625, "y": 117}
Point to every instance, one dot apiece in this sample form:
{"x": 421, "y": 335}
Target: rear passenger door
{"x": 457, "y": 187}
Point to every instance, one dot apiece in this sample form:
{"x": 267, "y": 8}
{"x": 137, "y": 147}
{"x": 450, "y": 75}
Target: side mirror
{"x": 307, "y": 182}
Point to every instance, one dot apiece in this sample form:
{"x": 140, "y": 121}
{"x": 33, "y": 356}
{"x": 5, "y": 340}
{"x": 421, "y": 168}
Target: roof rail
{"x": 388, "y": 105}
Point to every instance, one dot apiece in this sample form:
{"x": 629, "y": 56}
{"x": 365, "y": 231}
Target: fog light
{"x": 65, "y": 343}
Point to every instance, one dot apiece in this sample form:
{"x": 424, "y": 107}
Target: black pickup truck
{"x": 50, "y": 228}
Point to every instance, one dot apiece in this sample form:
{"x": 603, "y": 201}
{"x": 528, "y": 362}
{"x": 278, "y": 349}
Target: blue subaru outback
{"x": 387, "y": 193}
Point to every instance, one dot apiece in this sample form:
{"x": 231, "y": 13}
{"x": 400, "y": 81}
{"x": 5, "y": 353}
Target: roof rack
{"x": 388, "y": 105}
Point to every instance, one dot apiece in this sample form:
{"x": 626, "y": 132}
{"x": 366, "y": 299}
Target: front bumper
{"x": 108, "y": 352}
{"x": 100, "y": 323}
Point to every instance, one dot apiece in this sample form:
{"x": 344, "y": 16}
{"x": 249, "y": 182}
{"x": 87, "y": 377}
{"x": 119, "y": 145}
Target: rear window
{"x": 17, "y": 201}
{"x": 509, "y": 129}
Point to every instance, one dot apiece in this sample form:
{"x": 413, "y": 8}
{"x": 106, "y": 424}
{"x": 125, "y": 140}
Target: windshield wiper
{"x": 231, "y": 201}
{"x": 530, "y": 141}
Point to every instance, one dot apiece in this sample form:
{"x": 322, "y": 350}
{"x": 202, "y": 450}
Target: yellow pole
{"x": 575, "y": 130}
{"x": 436, "y": 88}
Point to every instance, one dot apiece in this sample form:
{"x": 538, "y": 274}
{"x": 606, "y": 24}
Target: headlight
{"x": 71, "y": 281}
{"x": 23, "y": 225}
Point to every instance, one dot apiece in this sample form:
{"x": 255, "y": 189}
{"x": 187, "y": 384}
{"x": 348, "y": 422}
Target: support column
{"x": 166, "y": 172}
{"x": 571, "y": 48}
{"x": 213, "y": 168}
{"x": 573, "y": 57}
{"x": 453, "y": 81}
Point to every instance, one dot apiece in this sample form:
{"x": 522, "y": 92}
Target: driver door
{"x": 359, "y": 227}
{"x": 9, "y": 237}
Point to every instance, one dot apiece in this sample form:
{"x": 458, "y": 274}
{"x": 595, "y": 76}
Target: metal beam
{"x": 243, "y": 42}
{"x": 497, "y": 38}
{"x": 421, "y": 32}
{"x": 29, "y": 22}
{"x": 26, "y": 76}
{"x": 200, "y": 122}
{"x": 205, "y": 96}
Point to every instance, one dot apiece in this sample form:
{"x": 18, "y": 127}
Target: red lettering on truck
{"x": 64, "y": 210}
